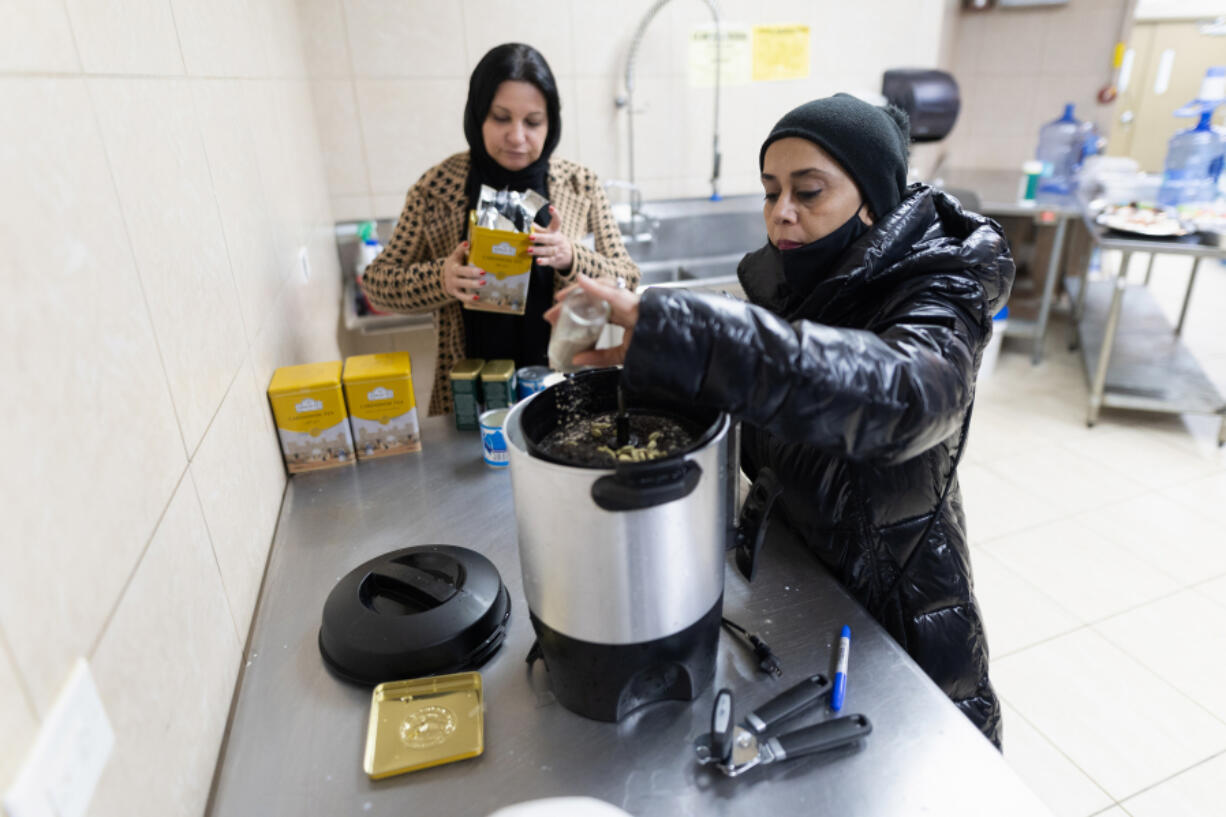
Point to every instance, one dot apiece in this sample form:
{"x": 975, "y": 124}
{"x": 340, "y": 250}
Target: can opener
{"x": 735, "y": 748}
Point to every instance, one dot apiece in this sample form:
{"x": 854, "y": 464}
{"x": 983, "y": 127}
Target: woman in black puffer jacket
{"x": 853, "y": 372}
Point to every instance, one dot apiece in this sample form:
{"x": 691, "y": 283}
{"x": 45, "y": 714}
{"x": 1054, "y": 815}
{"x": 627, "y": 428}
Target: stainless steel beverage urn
{"x": 623, "y": 567}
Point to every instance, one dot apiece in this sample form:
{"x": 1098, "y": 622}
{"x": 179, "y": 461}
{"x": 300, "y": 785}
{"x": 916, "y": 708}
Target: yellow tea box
{"x": 309, "y": 409}
{"x": 382, "y": 411}
{"x": 504, "y": 255}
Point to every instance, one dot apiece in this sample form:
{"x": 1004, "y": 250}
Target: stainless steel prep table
{"x": 297, "y": 733}
{"x": 1134, "y": 358}
{"x": 997, "y": 192}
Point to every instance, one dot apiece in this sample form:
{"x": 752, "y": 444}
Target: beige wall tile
{"x": 95, "y": 450}
{"x": 18, "y": 722}
{"x": 304, "y": 321}
{"x": 745, "y": 119}
{"x": 568, "y": 145}
{"x": 692, "y": 130}
{"x": 656, "y": 152}
{"x": 518, "y": 21}
{"x": 902, "y": 36}
{"x": 321, "y": 297}
{"x": 240, "y": 476}
{"x": 297, "y": 190}
{"x": 599, "y": 126}
{"x": 360, "y": 208}
{"x": 219, "y": 38}
{"x": 1009, "y": 60}
{"x": 325, "y": 45}
{"x": 126, "y": 36}
{"x": 314, "y": 337}
{"x": 587, "y": 50}
{"x": 601, "y": 37}
{"x": 282, "y": 123}
{"x": 277, "y": 22}
{"x": 1013, "y": 42}
{"x": 302, "y": 137}
{"x": 406, "y": 39}
{"x": 739, "y": 184}
{"x": 340, "y": 135}
{"x": 165, "y": 670}
{"x": 1006, "y": 104}
{"x": 153, "y": 140}
{"x": 275, "y": 345}
{"x": 246, "y": 221}
{"x": 388, "y": 205}
{"x": 277, "y": 172}
{"x": 970, "y": 30}
{"x": 409, "y": 125}
{"x": 36, "y": 36}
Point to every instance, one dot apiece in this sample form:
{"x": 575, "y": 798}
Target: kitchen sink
{"x": 693, "y": 243}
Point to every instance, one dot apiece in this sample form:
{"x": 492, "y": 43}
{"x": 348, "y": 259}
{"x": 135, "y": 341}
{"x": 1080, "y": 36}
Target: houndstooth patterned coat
{"x": 408, "y": 275}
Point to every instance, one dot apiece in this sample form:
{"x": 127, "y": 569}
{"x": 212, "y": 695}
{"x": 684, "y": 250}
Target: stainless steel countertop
{"x": 1188, "y": 245}
{"x": 997, "y": 191}
{"x": 297, "y": 734}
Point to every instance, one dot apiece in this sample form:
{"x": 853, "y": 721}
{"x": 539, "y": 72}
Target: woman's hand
{"x": 624, "y": 306}
{"x": 460, "y": 280}
{"x": 551, "y": 248}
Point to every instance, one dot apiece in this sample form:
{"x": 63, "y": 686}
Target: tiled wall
{"x": 160, "y": 170}
{"x": 1017, "y": 67}
{"x": 390, "y": 79}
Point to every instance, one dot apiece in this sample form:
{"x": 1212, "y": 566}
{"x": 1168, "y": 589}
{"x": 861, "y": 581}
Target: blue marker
{"x": 840, "y": 672}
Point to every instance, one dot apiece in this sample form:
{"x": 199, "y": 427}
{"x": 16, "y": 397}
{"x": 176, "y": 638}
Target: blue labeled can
{"x": 531, "y": 380}
{"x": 493, "y": 441}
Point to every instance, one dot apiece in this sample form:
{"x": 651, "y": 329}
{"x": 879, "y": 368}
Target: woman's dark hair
{"x": 511, "y": 61}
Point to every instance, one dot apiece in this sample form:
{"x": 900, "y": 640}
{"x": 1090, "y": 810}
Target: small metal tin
{"x": 466, "y": 392}
{"x": 493, "y": 441}
{"x": 424, "y": 722}
{"x": 531, "y": 380}
{"x": 498, "y": 384}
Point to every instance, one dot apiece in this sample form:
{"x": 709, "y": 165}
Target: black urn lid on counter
{"x": 424, "y": 610}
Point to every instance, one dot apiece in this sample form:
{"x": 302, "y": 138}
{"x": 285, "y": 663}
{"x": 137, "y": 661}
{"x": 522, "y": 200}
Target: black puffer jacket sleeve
{"x": 882, "y": 394}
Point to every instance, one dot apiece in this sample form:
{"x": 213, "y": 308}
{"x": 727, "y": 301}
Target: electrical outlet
{"x": 73, "y": 745}
{"x": 304, "y": 263}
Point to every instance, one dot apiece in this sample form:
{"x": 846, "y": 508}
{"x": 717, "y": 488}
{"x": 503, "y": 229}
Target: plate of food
{"x": 1142, "y": 220}
{"x": 1207, "y": 219}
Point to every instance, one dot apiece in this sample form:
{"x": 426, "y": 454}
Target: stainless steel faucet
{"x": 627, "y": 100}
{"x": 637, "y": 217}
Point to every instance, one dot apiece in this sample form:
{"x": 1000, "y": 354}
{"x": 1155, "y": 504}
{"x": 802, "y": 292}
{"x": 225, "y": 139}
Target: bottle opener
{"x": 735, "y": 748}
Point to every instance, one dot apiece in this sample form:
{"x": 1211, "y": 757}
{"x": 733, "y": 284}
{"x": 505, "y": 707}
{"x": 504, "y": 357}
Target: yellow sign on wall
{"x": 780, "y": 52}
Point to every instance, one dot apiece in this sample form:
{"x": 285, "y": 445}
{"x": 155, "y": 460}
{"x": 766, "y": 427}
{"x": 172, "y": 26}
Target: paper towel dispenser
{"x": 929, "y": 97}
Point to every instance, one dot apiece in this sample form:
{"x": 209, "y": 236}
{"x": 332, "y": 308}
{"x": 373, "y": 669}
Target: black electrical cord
{"x": 768, "y": 662}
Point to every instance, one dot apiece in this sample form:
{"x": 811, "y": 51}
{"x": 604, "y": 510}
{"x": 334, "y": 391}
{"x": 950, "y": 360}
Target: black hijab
{"x": 523, "y": 338}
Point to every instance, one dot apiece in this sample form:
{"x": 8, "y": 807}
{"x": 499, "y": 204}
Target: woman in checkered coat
{"x": 512, "y": 125}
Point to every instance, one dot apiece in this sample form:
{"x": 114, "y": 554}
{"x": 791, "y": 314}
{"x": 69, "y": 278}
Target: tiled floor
{"x": 1100, "y": 563}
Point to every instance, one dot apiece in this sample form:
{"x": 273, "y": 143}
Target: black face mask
{"x": 804, "y": 266}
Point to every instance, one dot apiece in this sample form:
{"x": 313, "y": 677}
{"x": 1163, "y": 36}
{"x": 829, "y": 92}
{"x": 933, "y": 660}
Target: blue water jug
{"x": 1060, "y": 147}
{"x": 1193, "y": 164}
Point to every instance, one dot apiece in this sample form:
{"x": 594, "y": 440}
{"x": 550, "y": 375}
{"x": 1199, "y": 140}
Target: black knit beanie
{"x": 869, "y": 142}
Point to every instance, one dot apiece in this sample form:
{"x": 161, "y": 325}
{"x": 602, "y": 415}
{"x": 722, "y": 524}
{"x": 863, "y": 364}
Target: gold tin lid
{"x": 498, "y": 370}
{"x": 467, "y": 369}
{"x": 424, "y": 722}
